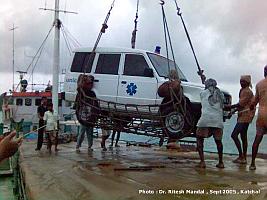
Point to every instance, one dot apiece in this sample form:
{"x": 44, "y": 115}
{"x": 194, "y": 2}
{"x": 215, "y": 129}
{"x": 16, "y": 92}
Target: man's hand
{"x": 8, "y": 146}
{"x": 252, "y": 107}
{"x": 39, "y": 116}
{"x": 227, "y": 107}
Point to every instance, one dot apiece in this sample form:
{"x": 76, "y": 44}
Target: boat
{"x": 23, "y": 106}
{"x": 19, "y": 111}
{"x": 20, "y": 104}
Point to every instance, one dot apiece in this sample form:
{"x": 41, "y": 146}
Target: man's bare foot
{"x": 243, "y": 161}
{"x": 104, "y": 149}
{"x": 252, "y": 167}
{"x": 220, "y": 165}
{"x": 89, "y": 150}
{"x": 238, "y": 160}
{"x": 201, "y": 165}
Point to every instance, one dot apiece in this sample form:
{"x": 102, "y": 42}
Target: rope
{"x": 213, "y": 152}
{"x": 165, "y": 35}
{"x": 70, "y": 40}
{"x": 140, "y": 123}
{"x": 35, "y": 131}
{"x": 40, "y": 47}
{"x": 74, "y": 40}
{"x": 169, "y": 37}
{"x": 104, "y": 26}
{"x": 133, "y": 40}
{"x": 66, "y": 41}
{"x": 102, "y": 30}
{"x": 38, "y": 58}
{"x": 181, "y": 97}
{"x": 200, "y": 71}
{"x": 183, "y": 108}
{"x": 27, "y": 134}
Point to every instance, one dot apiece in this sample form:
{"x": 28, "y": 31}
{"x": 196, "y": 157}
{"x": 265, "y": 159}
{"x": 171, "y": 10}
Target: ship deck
{"x": 130, "y": 172}
{"x": 6, "y": 181}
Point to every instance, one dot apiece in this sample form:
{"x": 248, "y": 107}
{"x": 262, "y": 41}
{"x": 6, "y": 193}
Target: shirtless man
{"x": 245, "y": 117}
{"x": 261, "y": 124}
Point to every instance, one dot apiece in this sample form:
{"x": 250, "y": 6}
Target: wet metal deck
{"x": 6, "y": 188}
{"x": 164, "y": 175}
{"x": 6, "y": 184}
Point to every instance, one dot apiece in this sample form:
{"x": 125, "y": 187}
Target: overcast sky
{"x": 229, "y": 36}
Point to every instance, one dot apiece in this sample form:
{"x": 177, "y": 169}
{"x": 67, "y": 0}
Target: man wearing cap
{"x": 261, "y": 123}
{"x": 211, "y": 120}
{"x": 245, "y": 117}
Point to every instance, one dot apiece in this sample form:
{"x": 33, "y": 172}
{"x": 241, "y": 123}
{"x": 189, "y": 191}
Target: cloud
{"x": 229, "y": 36}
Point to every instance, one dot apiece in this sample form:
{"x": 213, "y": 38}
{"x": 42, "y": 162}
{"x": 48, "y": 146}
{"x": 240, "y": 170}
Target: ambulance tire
{"x": 173, "y": 123}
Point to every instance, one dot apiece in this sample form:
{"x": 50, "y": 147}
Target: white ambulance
{"x": 127, "y": 76}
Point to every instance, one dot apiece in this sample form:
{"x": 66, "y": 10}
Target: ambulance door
{"x": 137, "y": 83}
{"x": 106, "y": 76}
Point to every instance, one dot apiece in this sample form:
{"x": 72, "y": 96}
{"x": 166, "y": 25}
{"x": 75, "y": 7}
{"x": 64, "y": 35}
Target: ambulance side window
{"x": 135, "y": 65}
{"x": 108, "y": 64}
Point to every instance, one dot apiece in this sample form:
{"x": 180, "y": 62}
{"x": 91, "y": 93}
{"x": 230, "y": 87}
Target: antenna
{"x": 33, "y": 57}
{"x": 13, "y": 53}
{"x": 58, "y": 10}
{"x": 65, "y": 4}
{"x": 21, "y": 74}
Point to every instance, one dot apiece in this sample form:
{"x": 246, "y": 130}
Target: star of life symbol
{"x": 131, "y": 89}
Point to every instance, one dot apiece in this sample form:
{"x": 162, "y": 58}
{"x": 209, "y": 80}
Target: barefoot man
{"x": 261, "y": 123}
{"x": 211, "y": 120}
{"x": 245, "y": 117}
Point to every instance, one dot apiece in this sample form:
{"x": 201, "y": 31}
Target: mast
{"x": 55, "y": 79}
{"x": 13, "y": 56}
{"x": 57, "y": 24}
